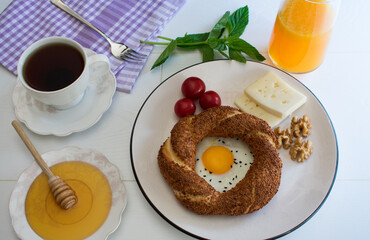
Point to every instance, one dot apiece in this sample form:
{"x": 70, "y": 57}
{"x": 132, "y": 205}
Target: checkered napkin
{"x": 127, "y": 21}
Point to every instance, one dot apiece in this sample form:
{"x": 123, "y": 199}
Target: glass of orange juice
{"x": 301, "y": 34}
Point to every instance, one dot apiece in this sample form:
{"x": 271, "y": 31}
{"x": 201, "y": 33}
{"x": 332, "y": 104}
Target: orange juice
{"x": 94, "y": 199}
{"x": 301, "y": 34}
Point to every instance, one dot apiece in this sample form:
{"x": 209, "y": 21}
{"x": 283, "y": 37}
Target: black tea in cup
{"x": 53, "y": 67}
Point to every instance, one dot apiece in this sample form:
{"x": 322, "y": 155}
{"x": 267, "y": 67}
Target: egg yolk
{"x": 218, "y": 159}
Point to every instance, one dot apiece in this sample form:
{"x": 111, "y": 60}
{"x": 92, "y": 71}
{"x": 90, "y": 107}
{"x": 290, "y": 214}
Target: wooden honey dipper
{"x": 63, "y": 194}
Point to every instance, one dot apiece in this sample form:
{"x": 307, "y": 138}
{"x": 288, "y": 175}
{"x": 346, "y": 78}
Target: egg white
{"x": 243, "y": 159}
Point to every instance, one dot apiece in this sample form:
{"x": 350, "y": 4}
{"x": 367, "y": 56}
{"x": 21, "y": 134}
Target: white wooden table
{"x": 341, "y": 83}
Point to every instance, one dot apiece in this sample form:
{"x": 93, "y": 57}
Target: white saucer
{"x": 97, "y": 159}
{"x": 45, "y": 120}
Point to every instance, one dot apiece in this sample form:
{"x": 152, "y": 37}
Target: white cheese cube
{"x": 245, "y": 104}
{"x": 275, "y": 96}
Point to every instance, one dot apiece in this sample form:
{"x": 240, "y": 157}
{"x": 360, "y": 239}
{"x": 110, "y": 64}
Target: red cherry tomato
{"x": 209, "y": 99}
{"x": 193, "y": 87}
{"x": 184, "y": 107}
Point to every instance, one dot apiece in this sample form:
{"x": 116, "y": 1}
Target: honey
{"x": 94, "y": 199}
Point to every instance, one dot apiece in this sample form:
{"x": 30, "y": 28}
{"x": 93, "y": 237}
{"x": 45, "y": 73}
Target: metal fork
{"x": 119, "y": 50}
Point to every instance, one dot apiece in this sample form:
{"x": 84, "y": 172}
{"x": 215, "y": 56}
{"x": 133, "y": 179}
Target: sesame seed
{"x": 210, "y": 180}
{"x": 223, "y": 191}
{"x": 236, "y": 151}
{"x": 210, "y": 172}
{"x": 230, "y": 183}
{"x": 204, "y": 175}
{"x": 225, "y": 187}
{"x": 220, "y": 181}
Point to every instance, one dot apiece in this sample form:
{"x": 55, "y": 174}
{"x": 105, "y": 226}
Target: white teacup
{"x": 66, "y": 96}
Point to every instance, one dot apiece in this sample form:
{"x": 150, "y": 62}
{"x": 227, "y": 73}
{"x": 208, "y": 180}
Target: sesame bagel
{"x": 176, "y": 160}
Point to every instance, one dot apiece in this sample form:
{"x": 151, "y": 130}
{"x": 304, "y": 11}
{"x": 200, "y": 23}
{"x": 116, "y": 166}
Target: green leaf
{"x": 217, "y": 44}
{"x": 223, "y": 54}
{"x": 238, "y": 21}
{"x": 192, "y": 38}
{"x": 220, "y": 26}
{"x": 237, "y": 55}
{"x": 236, "y": 43}
{"x": 189, "y": 38}
{"x": 165, "y": 54}
{"x": 207, "y": 53}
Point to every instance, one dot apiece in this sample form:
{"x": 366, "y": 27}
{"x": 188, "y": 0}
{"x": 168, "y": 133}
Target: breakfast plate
{"x": 96, "y": 159}
{"x": 304, "y": 186}
{"x": 45, "y": 120}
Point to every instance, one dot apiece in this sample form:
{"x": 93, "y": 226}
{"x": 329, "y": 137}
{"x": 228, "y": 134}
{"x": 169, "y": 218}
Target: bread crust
{"x": 176, "y": 161}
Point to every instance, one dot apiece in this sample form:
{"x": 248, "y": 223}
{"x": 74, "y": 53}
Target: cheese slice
{"x": 275, "y": 96}
{"x": 247, "y": 105}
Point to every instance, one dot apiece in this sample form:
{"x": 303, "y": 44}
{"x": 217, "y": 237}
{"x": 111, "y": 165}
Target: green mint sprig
{"x": 215, "y": 40}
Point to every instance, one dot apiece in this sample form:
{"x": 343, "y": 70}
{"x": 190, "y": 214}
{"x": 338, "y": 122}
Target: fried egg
{"x": 223, "y": 162}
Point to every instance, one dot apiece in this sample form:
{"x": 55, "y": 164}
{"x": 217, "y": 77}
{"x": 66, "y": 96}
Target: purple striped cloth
{"x": 128, "y": 21}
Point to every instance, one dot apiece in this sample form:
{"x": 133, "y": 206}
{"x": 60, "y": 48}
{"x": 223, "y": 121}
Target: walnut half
{"x": 284, "y": 137}
{"x": 300, "y": 149}
{"x": 302, "y": 125}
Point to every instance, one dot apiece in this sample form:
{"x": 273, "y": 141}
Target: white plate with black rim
{"x": 304, "y": 186}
